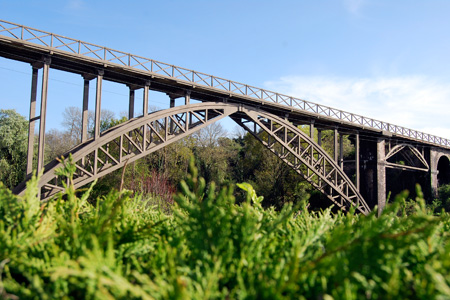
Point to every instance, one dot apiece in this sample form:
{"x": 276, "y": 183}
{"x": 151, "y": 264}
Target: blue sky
{"x": 383, "y": 59}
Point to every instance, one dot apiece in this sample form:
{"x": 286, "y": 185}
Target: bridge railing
{"x": 63, "y": 43}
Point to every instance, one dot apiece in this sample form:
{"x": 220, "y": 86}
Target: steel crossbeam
{"x": 53, "y": 42}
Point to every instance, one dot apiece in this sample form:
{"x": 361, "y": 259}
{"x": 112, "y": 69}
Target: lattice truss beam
{"x": 305, "y": 156}
{"x": 132, "y": 140}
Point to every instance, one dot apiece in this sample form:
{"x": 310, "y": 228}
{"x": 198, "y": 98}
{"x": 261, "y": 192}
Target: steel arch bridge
{"x": 271, "y": 117}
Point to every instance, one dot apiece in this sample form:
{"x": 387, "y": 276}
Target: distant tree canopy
{"x": 58, "y": 142}
{"x": 13, "y": 147}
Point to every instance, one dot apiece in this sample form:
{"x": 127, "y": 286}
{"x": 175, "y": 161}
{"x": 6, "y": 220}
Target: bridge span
{"x": 273, "y": 118}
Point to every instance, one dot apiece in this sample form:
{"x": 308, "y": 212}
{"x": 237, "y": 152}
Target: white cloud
{"x": 415, "y": 102}
{"x": 75, "y": 4}
{"x": 354, "y": 6}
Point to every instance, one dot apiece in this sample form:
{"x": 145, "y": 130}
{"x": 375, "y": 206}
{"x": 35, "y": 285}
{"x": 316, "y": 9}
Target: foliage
{"x": 13, "y": 147}
{"x": 275, "y": 181}
{"x": 211, "y": 248}
{"x": 444, "y": 197}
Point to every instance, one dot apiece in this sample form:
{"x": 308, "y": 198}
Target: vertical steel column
{"x": 32, "y": 120}
{"x": 381, "y": 175}
{"x": 98, "y": 107}
{"x": 85, "y": 108}
{"x": 187, "y": 101}
{"x": 145, "y": 98}
{"x": 311, "y": 135}
{"x": 358, "y": 178}
{"x": 319, "y": 137}
{"x": 335, "y": 144}
{"x": 131, "y": 104}
{"x": 98, "y": 104}
{"x": 187, "y": 97}
{"x": 172, "y": 104}
{"x": 41, "y": 145}
{"x": 145, "y": 110}
{"x": 341, "y": 150}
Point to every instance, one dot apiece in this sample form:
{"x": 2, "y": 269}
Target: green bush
{"x": 444, "y": 196}
{"x": 211, "y": 248}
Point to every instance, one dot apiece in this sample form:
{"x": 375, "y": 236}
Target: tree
{"x": 213, "y": 152}
{"x": 57, "y": 143}
{"x": 208, "y": 136}
{"x": 73, "y": 122}
{"x": 13, "y": 147}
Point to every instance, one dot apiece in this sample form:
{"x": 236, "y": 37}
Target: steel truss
{"x": 139, "y": 137}
{"x": 304, "y": 155}
{"x": 130, "y": 141}
{"x": 416, "y": 161}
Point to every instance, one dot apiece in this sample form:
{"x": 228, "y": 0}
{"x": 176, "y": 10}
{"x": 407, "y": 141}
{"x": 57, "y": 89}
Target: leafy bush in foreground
{"x": 211, "y": 248}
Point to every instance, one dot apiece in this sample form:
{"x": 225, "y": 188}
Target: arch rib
{"x": 130, "y": 141}
{"x": 139, "y": 137}
{"x": 305, "y": 156}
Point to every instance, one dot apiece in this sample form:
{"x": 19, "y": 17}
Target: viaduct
{"x": 274, "y": 119}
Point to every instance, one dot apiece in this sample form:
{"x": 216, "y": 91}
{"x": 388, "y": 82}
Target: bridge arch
{"x": 139, "y": 137}
{"x": 443, "y": 168}
{"x": 130, "y": 141}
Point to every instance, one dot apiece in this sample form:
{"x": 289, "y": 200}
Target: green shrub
{"x": 444, "y": 196}
{"x": 211, "y": 248}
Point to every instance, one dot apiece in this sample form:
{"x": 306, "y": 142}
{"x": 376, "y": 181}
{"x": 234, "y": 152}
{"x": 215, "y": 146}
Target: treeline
{"x": 220, "y": 157}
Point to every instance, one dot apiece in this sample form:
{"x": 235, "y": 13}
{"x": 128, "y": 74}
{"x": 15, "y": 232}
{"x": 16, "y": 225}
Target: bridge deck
{"x": 31, "y": 45}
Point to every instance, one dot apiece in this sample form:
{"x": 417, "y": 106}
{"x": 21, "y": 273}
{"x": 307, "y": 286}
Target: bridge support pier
{"x": 85, "y": 108}
{"x": 381, "y": 175}
{"x": 358, "y": 174}
{"x": 42, "y": 117}
{"x": 187, "y": 98}
{"x": 371, "y": 171}
{"x": 145, "y": 98}
{"x": 434, "y": 158}
{"x": 335, "y": 144}
{"x": 32, "y": 120}
{"x": 131, "y": 104}
{"x": 98, "y": 104}
{"x": 341, "y": 150}
{"x": 319, "y": 137}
